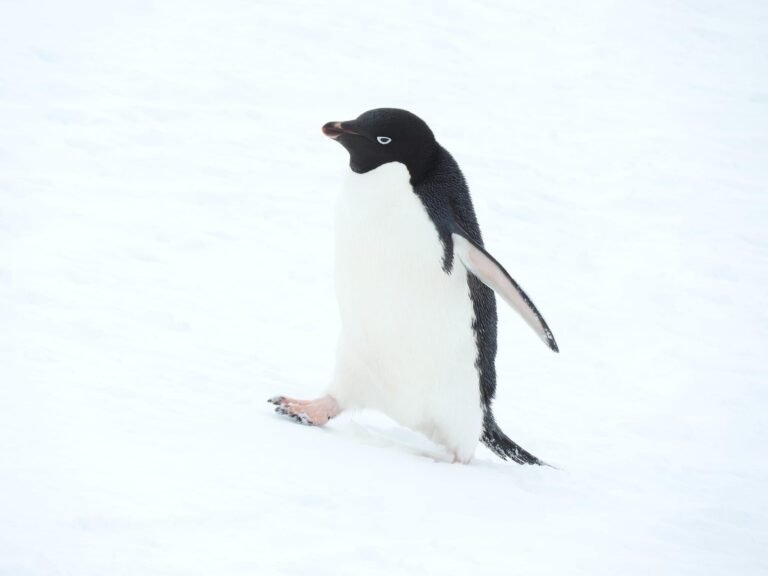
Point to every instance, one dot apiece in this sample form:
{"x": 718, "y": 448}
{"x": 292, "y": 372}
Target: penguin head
{"x": 385, "y": 135}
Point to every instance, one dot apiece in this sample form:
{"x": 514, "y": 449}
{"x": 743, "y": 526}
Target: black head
{"x": 386, "y": 135}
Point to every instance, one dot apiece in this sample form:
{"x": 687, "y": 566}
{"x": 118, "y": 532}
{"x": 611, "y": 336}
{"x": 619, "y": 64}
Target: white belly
{"x": 407, "y": 347}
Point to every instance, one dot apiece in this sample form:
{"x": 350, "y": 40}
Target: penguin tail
{"x": 502, "y": 445}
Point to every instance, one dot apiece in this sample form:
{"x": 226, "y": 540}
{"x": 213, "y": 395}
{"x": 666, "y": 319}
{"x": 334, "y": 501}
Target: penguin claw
{"x": 283, "y": 410}
{"x": 276, "y": 400}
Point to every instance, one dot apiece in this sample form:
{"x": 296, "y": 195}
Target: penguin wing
{"x": 487, "y": 269}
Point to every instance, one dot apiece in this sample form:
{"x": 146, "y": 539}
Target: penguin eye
{"x": 383, "y": 140}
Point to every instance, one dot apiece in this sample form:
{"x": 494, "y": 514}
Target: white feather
{"x": 407, "y": 346}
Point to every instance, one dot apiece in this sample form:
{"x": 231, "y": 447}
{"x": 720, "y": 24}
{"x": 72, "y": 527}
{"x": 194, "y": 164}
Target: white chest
{"x": 406, "y": 320}
{"x": 385, "y": 242}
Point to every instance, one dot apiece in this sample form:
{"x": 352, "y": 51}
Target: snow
{"x": 166, "y": 202}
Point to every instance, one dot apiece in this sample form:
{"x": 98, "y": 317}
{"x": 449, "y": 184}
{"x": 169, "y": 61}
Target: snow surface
{"x": 166, "y": 202}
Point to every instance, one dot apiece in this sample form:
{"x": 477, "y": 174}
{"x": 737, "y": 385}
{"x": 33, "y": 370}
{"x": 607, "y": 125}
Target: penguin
{"x": 415, "y": 288}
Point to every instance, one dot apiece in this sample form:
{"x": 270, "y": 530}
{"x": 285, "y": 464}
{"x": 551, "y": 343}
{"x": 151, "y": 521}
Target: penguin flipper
{"x": 488, "y": 270}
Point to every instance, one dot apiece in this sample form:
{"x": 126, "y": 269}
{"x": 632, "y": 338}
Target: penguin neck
{"x": 424, "y": 164}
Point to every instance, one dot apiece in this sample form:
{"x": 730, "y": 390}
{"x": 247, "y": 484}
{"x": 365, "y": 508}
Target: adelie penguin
{"x": 415, "y": 287}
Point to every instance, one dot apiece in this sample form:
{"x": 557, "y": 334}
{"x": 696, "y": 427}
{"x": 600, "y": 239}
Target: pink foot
{"x": 309, "y": 412}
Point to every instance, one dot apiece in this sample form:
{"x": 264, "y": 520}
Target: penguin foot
{"x": 308, "y": 412}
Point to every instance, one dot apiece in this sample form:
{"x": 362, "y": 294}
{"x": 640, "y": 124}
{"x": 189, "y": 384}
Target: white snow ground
{"x": 165, "y": 252}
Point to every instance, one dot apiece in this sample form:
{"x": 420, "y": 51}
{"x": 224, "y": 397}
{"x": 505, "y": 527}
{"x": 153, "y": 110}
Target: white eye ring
{"x": 383, "y": 140}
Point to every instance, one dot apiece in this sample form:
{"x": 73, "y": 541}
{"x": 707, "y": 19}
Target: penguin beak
{"x": 335, "y": 129}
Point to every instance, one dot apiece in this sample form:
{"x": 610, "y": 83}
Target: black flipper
{"x": 502, "y": 446}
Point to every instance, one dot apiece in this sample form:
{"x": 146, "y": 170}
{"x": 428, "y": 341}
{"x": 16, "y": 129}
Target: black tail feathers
{"x": 502, "y": 446}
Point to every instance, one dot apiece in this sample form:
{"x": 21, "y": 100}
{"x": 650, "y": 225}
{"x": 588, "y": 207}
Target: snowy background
{"x": 166, "y": 202}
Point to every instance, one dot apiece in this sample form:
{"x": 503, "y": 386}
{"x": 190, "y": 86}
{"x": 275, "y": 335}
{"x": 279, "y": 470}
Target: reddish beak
{"x": 336, "y": 129}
